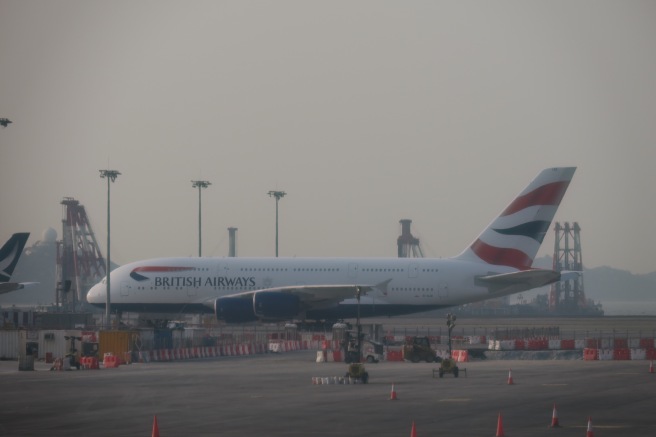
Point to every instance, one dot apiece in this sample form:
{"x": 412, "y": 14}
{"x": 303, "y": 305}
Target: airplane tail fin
{"x": 513, "y": 238}
{"x": 9, "y": 254}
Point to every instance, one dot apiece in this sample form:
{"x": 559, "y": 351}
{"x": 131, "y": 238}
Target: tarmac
{"x": 274, "y": 395}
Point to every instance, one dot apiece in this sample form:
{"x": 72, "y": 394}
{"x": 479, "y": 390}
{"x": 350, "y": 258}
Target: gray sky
{"x": 364, "y": 112}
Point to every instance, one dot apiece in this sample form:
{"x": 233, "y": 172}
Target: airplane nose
{"x": 95, "y": 294}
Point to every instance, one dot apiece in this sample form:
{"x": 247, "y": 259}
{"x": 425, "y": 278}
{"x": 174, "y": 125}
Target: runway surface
{"x": 273, "y": 395}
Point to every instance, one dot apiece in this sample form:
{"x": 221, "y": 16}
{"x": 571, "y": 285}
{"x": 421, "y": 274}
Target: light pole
{"x": 278, "y": 195}
{"x": 200, "y": 185}
{"x": 450, "y": 323}
{"x": 111, "y": 176}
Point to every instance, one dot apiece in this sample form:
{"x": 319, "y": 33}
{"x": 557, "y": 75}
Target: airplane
{"x": 238, "y": 290}
{"x": 9, "y": 255}
{"x": 5, "y": 122}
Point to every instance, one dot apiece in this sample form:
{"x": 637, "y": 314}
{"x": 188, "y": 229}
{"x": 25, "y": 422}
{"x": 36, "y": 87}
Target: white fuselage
{"x": 401, "y": 285}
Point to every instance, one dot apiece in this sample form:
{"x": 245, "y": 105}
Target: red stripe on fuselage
{"x": 150, "y": 269}
{"x": 501, "y": 256}
{"x": 549, "y": 194}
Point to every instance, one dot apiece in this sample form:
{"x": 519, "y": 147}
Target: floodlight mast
{"x": 111, "y": 176}
{"x": 278, "y": 195}
{"x": 200, "y": 185}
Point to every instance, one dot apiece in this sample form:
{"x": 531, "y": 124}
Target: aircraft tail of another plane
{"x": 10, "y": 253}
{"x": 514, "y": 238}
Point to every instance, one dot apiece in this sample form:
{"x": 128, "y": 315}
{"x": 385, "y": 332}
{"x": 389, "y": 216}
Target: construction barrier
{"x": 621, "y": 354}
{"x": 89, "y": 363}
{"x": 460, "y": 356}
{"x": 110, "y": 361}
{"x": 477, "y": 339}
{"x": 620, "y": 343}
{"x": 590, "y": 354}
{"x": 394, "y": 355}
{"x": 567, "y": 344}
{"x": 605, "y": 354}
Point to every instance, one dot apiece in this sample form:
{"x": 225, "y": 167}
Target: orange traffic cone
{"x": 393, "y": 394}
{"x": 413, "y": 430}
{"x": 589, "y": 433}
{"x": 554, "y": 418}
{"x": 651, "y": 366}
{"x": 155, "y": 428}
{"x": 500, "y": 427}
{"x": 510, "y": 378}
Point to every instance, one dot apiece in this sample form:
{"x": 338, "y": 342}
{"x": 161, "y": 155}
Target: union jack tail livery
{"x": 513, "y": 238}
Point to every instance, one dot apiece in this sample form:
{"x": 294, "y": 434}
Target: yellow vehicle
{"x": 358, "y": 372}
{"x": 448, "y": 366}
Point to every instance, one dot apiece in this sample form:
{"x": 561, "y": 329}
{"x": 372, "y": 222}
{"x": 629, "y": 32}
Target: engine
{"x": 234, "y": 310}
{"x": 270, "y": 305}
{"x": 276, "y": 306}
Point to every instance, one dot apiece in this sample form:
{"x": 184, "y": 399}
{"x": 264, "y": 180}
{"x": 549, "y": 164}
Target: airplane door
{"x": 353, "y": 271}
{"x": 443, "y": 290}
{"x": 413, "y": 271}
{"x": 125, "y": 289}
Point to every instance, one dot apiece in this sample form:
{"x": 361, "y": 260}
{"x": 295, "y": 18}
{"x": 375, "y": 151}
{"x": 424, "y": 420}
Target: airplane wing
{"x": 282, "y": 303}
{"x": 8, "y": 287}
{"x": 311, "y": 295}
{"x": 514, "y": 282}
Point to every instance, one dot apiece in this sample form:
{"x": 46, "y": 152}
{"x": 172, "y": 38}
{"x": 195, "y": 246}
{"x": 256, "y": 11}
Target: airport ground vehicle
{"x": 357, "y": 371}
{"x": 418, "y": 349}
{"x": 448, "y": 365}
{"x": 372, "y": 352}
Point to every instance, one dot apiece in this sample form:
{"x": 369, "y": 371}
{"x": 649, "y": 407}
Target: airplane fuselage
{"x": 402, "y": 285}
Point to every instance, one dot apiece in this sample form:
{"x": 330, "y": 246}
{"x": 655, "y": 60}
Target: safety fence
{"x": 619, "y": 354}
{"x": 153, "y": 346}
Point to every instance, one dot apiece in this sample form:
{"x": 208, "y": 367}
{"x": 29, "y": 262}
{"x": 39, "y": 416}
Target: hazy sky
{"x": 364, "y": 112}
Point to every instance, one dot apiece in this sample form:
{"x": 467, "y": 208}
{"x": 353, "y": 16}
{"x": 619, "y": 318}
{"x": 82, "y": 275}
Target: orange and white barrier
{"x": 89, "y": 363}
{"x": 460, "y": 356}
{"x": 110, "y": 361}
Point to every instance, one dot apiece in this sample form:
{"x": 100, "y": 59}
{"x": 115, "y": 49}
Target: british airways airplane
{"x": 498, "y": 263}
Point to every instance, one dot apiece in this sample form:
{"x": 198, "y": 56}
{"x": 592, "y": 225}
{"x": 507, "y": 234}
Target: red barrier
{"x": 620, "y": 343}
{"x": 567, "y": 344}
{"x": 646, "y": 343}
{"x": 537, "y": 344}
{"x": 394, "y": 355}
{"x": 593, "y": 343}
{"x": 111, "y": 362}
{"x": 622, "y": 354}
{"x": 590, "y": 354}
{"x": 460, "y": 356}
{"x": 89, "y": 363}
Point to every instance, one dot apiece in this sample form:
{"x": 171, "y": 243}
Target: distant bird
{"x": 5, "y": 122}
